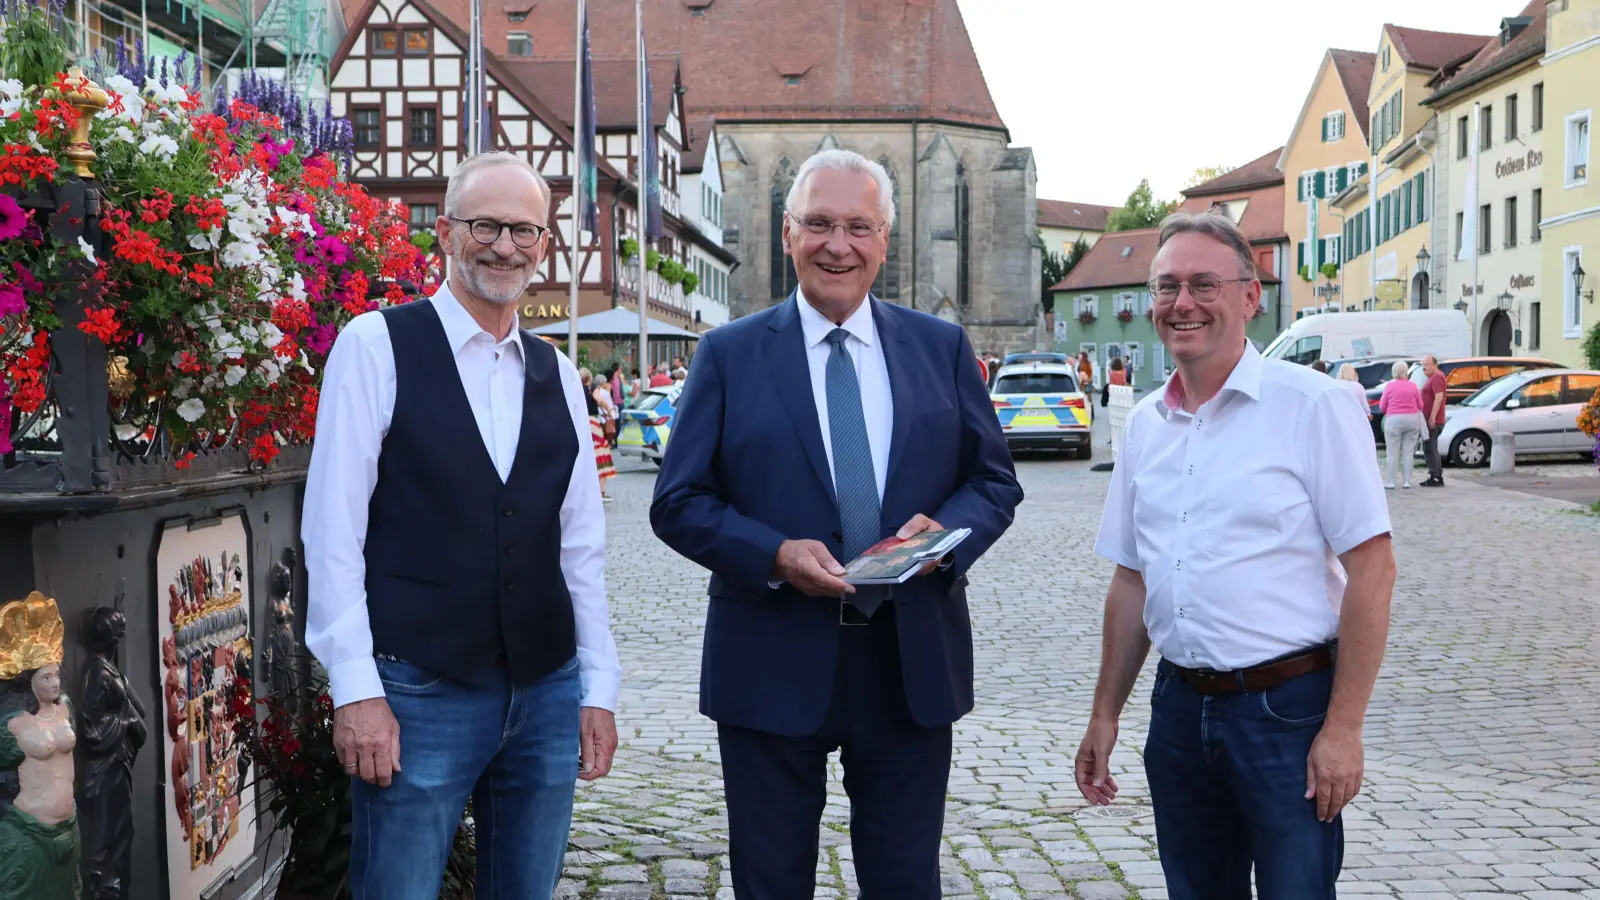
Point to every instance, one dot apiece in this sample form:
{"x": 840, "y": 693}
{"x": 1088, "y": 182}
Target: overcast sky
{"x": 1108, "y": 93}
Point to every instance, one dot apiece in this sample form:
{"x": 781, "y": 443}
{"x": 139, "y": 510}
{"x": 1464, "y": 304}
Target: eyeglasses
{"x": 1203, "y": 289}
{"x": 487, "y": 231}
{"x": 820, "y": 225}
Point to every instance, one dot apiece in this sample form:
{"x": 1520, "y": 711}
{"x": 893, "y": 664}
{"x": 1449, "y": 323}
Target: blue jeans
{"x": 1227, "y": 777}
{"x": 513, "y": 751}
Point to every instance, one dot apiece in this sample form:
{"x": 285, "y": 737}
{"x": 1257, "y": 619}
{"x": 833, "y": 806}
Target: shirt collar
{"x": 460, "y": 327}
{"x": 1244, "y": 379}
{"x": 816, "y": 327}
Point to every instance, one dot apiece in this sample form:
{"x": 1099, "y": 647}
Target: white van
{"x": 1409, "y": 333}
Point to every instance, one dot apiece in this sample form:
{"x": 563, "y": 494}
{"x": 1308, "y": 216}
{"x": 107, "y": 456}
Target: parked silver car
{"x": 1539, "y": 407}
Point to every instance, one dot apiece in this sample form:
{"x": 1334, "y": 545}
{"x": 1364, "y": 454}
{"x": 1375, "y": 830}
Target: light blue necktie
{"x": 854, "y": 480}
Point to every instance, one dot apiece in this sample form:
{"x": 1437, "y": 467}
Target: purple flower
{"x": 319, "y": 340}
{"x": 12, "y": 218}
{"x": 30, "y": 284}
{"x": 333, "y": 250}
{"x": 11, "y": 300}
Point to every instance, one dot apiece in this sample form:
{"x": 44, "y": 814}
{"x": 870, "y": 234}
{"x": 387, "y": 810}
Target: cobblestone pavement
{"x": 1483, "y": 740}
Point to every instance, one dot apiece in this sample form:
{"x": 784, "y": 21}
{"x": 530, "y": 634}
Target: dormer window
{"x": 791, "y": 80}
{"x": 517, "y": 17}
{"x": 1127, "y": 251}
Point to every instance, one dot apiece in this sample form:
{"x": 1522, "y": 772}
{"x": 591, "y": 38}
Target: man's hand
{"x": 1333, "y": 770}
{"x": 597, "y": 742}
{"x": 810, "y": 567}
{"x": 366, "y": 738}
{"x": 1093, "y": 768}
{"x": 918, "y": 524}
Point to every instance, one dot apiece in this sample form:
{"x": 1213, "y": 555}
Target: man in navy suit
{"x": 805, "y": 434}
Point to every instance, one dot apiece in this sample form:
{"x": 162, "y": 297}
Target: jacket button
{"x": 510, "y": 586}
{"x": 507, "y": 511}
{"x": 838, "y": 538}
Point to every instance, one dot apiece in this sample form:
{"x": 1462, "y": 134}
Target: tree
{"x": 1059, "y": 265}
{"x": 1205, "y": 174}
{"x": 1141, "y": 211}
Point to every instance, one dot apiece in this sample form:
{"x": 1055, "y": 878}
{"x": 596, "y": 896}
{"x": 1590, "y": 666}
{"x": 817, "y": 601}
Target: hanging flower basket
{"x": 1086, "y": 317}
{"x": 1150, "y": 314}
{"x": 1124, "y": 316}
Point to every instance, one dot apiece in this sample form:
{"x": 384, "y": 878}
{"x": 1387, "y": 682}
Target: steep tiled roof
{"x": 1494, "y": 56}
{"x": 1355, "y": 73}
{"x": 615, "y": 94}
{"x": 1433, "y": 49}
{"x": 694, "y": 156}
{"x": 1066, "y": 214}
{"x": 1259, "y": 172}
{"x": 1116, "y": 260}
{"x": 1263, "y": 215}
{"x": 827, "y": 60}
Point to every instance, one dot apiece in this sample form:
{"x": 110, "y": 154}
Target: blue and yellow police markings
{"x": 1044, "y": 411}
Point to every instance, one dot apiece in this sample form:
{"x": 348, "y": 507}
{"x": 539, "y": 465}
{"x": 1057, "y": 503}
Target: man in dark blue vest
{"x": 455, "y": 542}
{"x": 805, "y": 434}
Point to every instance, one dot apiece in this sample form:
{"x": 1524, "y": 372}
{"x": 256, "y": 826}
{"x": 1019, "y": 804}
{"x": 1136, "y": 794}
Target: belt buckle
{"x": 845, "y": 604}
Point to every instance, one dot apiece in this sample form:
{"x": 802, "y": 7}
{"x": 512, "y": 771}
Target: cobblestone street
{"x": 1483, "y": 739}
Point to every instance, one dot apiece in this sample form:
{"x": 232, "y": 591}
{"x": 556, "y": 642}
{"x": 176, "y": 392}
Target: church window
{"x": 887, "y": 286}
{"x": 783, "y": 275}
{"x": 963, "y": 238}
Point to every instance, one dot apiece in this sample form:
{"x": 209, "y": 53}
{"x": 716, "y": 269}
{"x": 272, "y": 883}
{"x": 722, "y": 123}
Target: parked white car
{"x": 1401, "y": 332}
{"x": 1538, "y": 407}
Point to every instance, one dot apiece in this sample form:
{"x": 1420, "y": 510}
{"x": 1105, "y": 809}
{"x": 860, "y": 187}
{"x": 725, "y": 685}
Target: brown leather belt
{"x": 1260, "y": 678}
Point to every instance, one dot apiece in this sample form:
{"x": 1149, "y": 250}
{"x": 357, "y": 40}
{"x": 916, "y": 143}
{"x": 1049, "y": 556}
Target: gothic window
{"x": 963, "y": 238}
{"x": 782, "y": 267}
{"x": 887, "y": 286}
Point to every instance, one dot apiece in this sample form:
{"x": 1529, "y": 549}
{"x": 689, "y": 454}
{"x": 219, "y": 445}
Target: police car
{"x": 1041, "y": 406}
{"x": 646, "y": 427}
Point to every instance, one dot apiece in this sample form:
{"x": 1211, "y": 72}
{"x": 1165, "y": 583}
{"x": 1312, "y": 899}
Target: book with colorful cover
{"x": 894, "y": 561}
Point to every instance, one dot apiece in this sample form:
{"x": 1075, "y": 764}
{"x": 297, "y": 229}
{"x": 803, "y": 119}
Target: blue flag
{"x": 650, "y": 163}
{"x": 587, "y": 169}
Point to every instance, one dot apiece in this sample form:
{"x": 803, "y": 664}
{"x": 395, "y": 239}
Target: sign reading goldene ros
{"x": 1519, "y": 164}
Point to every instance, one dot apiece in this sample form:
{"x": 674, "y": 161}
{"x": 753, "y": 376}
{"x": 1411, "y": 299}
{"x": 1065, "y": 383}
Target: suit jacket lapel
{"x": 895, "y": 354}
{"x": 786, "y": 356}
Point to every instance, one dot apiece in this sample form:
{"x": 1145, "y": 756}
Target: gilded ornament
{"x": 89, "y": 100}
{"x": 119, "y": 378}
{"x": 30, "y": 635}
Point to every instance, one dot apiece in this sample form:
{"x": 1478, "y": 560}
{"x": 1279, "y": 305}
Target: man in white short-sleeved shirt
{"x": 1251, "y": 537}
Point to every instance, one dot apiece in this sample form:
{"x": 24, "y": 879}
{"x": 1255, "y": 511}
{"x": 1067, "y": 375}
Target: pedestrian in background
{"x": 1119, "y": 371}
{"x": 1085, "y": 372}
{"x": 1434, "y": 394}
{"x": 1403, "y": 424}
{"x": 1348, "y": 378}
{"x": 615, "y": 381}
{"x": 1321, "y": 365}
{"x": 599, "y": 398}
{"x": 1232, "y": 490}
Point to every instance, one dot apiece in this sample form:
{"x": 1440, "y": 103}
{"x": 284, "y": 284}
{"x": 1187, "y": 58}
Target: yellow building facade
{"x": 1571, "y": 213}
{"x": 1495, "y": 105}
{"x": 1329, "y": 139}
{"x": 1388, "y": 212}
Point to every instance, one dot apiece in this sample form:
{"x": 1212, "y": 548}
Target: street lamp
{"x": 1461, "y": 307}
{"x": 1577, "y": 281}
{"x": 1505, "y": 300}
{"x": 1423, "y": 258}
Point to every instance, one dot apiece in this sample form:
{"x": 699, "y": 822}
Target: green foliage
{"x": 1330, "y": 270}
{"x": 35, "y": 46}
{"x": 1591, "y": 347}
{"x": 652, "y": 261}
{"x": 1142, "y": 210}
{"x": 1305, "y": 274}
{"x": 1204, "y": 174}
{"x": 630, "y": 249}
{"x": 672, "y": 271}
{"x": 691, "y": 281}
{"x": 423, "y": 241}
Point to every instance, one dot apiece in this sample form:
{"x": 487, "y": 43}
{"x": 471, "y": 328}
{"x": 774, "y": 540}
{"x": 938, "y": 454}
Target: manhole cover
{"x": 1115, "y": 813}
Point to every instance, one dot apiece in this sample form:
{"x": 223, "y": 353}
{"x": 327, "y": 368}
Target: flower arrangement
{"x": 231, "y": 249}
{"x": 1124, "y": 316}
{"x": 286, "y": 742}
{"x": 1086, "y": 317}
{"x": 1589, "y": 423}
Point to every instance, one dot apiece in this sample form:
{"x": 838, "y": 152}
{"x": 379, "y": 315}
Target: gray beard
{"x": 469, "y": 279}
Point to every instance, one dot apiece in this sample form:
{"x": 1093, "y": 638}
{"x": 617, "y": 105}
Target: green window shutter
{"x": 1422, "y": 196}
{"x": 1405, "y": 206}
{"x": 1319, "y": 182}
{"x": 1300, "y": 189}
{"x": 1299, "y": 256}
{"x": 1341, "y": 179}
{"x": 1324, "y": 129}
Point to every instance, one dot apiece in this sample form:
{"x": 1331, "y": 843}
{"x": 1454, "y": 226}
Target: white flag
{"x": 1469, "y": 207}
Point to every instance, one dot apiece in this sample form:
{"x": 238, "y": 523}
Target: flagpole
{"x": 578, "y": 200}
{"x": 644, "y": 201}
{"x": 1477, "y": 123}
{"x": 475, "y": 81}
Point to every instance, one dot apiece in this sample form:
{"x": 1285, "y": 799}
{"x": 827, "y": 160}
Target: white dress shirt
{"x": 1236, "y": 515}
{"x": 353, "y": 416}
{"x": 872, "y": 374}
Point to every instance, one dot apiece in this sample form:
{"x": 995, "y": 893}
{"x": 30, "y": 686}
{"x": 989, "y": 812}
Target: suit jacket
{"x": 746, "y": 470}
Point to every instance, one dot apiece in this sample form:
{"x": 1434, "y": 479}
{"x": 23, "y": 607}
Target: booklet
{"x": 893, "y": 561}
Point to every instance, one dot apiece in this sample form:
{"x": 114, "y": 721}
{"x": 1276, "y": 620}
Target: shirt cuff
{"x": 354, "y": 680}
{"x": 600, "y": 686}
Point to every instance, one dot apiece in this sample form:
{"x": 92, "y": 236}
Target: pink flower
{"x": 11, "y": 300}
{"x": 30, "y": 284}
{"x": 12, "y": 218}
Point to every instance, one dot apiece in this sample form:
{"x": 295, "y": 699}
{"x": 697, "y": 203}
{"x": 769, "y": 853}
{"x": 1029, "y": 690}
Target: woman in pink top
{"x": 1403, "y": 427}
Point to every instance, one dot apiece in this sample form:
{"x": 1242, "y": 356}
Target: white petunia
{"x": 271, "y": 336}
{"x": 239, "y": 254}
{"x": 183, "y": 388}
{"x": 248, "y": 334}
{"x": 209, "y": 239}
{"x": 88, "y": 251}
{"x": 124, "y": 135}
{"x": 191, "y": 410}
{"x": 10, "y": 96}
{"x": 233, "y": 376}
{"x": 270, "y": 370}
{"x": 126, "y": 432}
{"x": 297, "y": 287}
{"x": 159, "y": 145}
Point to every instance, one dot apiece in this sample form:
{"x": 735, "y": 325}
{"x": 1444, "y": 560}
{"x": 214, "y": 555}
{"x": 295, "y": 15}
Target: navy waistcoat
{"x": 464, "y": 570}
